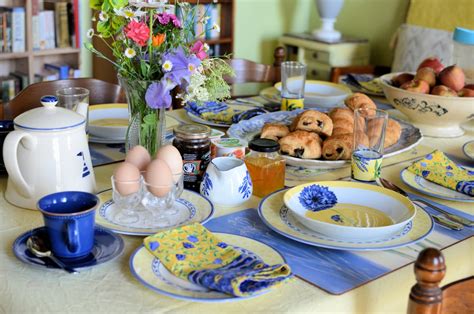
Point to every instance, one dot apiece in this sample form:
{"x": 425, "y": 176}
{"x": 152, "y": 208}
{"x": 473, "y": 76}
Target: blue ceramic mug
{"x": 69, "y": 218}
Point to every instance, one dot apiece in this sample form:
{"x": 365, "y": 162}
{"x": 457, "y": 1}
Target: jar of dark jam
{"x": 192, "y": 141}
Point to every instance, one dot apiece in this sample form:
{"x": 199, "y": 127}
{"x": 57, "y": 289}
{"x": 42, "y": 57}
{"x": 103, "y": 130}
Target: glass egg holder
{"x": 149, "y": 206}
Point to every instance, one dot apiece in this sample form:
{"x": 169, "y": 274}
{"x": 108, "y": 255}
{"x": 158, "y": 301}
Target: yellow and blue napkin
{"x": 211, "y": 111}
{"x": 193, "y": 253}
{"x": 438, "y": 168}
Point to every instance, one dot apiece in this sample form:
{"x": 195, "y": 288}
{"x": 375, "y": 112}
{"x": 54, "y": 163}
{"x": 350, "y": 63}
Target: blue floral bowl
{"x": 350, "y": 210}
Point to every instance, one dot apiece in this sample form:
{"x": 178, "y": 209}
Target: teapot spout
{"x": 82, "y": 109}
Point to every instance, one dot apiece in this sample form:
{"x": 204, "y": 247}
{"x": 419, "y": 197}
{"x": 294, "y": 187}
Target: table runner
{"x": 336, "y": 271}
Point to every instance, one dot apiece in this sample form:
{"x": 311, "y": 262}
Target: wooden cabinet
{"x": 321, "y": 57}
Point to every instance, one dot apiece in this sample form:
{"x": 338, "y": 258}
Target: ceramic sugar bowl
{"x": 227, "y": 182}
{"x": 47, "y": 153}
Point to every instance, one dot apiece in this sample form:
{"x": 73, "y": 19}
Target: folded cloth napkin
{"x": 211, "y": 111}
{"x": 193, "y": 253}
{"x": 438, "y": 168}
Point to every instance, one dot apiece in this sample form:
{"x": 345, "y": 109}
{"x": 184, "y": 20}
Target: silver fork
{"x": 455, "y": 218}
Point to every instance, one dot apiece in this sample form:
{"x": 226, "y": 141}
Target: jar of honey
{"x": 266, "y": 166}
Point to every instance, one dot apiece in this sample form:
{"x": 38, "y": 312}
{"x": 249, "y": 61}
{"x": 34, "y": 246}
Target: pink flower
{"x": 198, "y": 50}
{"x": 165, "y": 18}
{"x": 138, "y": 32}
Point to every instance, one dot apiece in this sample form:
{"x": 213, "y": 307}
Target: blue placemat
{"x": 335, "y": 271}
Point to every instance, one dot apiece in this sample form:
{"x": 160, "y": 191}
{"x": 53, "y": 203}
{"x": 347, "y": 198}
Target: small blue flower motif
{"x": 154, "y": 245}
{"x": 188, "y": 245}
{"x": 449, "y": 174}
{"x": 245, "y": 187}
{"x": 217, "y": 261}
{"x": 193, "y": 239}
{"x": 336, "y": 218}
{"x": 429, "y": 156}
{"x": 449, "y": 168}
{"x": 425, "y": 173}
{"x": 222, "y": 245}
{"x": 180, "y": 257}
{"x": 471, "y": 173}
{"x": 316, "y": 197}
{"x": 423, "y": 164}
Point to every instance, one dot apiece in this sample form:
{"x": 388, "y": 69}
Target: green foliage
{"x": 216, "y": 70}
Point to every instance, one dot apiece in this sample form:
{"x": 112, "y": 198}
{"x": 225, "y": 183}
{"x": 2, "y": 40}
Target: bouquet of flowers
{"x": 157, "y": 57}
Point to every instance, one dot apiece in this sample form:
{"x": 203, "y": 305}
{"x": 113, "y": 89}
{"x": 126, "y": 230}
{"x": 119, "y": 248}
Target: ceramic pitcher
{"x": 47, "y": 153}
{"x": 227, "y": 182}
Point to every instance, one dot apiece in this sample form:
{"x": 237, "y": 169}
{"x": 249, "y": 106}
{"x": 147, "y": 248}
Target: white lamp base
{"x": 327, "y": 31}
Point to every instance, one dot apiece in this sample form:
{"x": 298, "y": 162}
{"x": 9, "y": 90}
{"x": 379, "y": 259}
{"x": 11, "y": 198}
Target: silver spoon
{"x": 37, "y": 246}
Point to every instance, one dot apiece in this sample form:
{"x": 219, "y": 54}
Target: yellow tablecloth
{"x": 110, "y": 287}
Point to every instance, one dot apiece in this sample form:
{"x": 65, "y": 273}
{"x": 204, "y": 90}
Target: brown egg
{"x": 138, "y": 156}
{"x": 172, "y": 157}
{"x": 159, "y": 178}
{"x": 127, "y": 179}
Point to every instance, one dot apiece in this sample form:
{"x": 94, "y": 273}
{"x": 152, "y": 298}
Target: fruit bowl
{"x": 436, "y": 116}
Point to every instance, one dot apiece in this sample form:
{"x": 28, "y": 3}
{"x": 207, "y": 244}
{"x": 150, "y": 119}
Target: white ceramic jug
{"x": 227, "y": 181}
{"x": 48, "y": 152}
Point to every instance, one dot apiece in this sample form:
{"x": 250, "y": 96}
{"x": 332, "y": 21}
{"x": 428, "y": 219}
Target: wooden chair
{"x": 426, "y": 297}
{"x": 247, "y": 71}
{"x": 336, "y": 72}
{"x": 100, "y": 93}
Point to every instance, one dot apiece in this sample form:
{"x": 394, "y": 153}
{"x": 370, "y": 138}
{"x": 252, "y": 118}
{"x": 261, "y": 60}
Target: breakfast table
{"x": 111, "y": 287}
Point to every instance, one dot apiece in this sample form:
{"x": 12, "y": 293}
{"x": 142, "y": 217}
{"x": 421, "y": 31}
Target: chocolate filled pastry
{"x": 313, "y": 121}
{"x": 274, "y": 131}
{"x": 339, "y": 146}
{"x": 301, "y": 144}
{"x": 359, "y": 100}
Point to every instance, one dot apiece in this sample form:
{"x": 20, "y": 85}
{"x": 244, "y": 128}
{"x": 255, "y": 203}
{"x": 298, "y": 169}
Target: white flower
{"x": 130, "y": 53}
{"x": 90, "y": 33}
{"x": 167, "y": 66}
{"x": 205, "y": 19}
{"x": 129, "y": 13}
{"x": 216, "y": 28}
{"x": 103, "y": 16}
{"x": 191, "y": 67}
{"x": 205, "y": 47}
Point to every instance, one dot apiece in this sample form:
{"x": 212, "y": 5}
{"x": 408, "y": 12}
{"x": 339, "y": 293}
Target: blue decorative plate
{"x": 107, "y": 246}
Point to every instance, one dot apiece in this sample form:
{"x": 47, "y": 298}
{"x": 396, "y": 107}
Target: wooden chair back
{"x": 247, "y": 71}
{"x": 426, "y": 297}
{"x": 100, "y": 93}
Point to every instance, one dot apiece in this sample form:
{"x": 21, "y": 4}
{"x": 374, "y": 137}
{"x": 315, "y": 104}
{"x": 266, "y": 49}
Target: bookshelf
{"x": 30, "y": 62}
{"x": 103, "y": 70}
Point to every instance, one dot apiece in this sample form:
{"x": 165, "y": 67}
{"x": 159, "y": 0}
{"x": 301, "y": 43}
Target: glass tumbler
{"x": 369, "y": 136}
{"x": 71, "y": 97}
{"x": 293, "y": 77}
{"x": 127, "y": 196}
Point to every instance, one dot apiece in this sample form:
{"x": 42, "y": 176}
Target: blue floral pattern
{"x": 246, "y": 187}
{"x": 316, "y": 197}
{"x": 206, "y": 184}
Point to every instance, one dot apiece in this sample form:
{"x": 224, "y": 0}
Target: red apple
{"x": 469, "y": 86}
{"x": 417, "y": 86}
{"x": 442, "y": 90}
{"x": 452, "y": 77}
{"x": 466, "y": 92}
{"x": 426, "y": 74}
{"x": 433, "y": 63}
{"x": 401, "y": 79}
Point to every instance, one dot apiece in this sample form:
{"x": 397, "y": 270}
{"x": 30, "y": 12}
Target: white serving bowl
{"x": 108, "y": 121}
{"x": 321, "y": 94}
{"x": 437, "y": 116}
{"x": 351, "y": 195}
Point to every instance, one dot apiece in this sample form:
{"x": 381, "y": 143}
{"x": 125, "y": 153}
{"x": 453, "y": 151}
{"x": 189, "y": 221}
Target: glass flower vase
{"x": 147, "y": 126}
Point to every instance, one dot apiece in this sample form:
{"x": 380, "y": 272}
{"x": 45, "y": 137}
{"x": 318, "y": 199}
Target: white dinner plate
{"x": 236, "y": 107}
{"x": 247, "y": 130}
{"x": 150, "y": 272}
{"x": 192, "y": 207}
{"x": 426, "y": 187}
{"x": 277, "y": 217}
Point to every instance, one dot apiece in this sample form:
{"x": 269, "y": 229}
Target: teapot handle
{"x": 10, "y": 156}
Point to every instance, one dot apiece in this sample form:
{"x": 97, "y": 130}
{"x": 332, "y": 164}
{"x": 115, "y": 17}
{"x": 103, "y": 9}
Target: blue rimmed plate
{"x": 426, "y": 187}
{"x": 277, "y": 217}
{"x": 236, "y": 107}
{"x": 192, "y": 207}
{"x": 107, "y": 246}
{"x": 468, "y": 149}
{"x": 152, "y": 274}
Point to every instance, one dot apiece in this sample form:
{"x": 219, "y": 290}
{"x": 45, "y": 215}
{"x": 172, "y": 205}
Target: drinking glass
{"x": 127, "y": 204}
{"x": 70, "y": 97}
{"x": 369, "y": 136}
{"x": 293, "y": 77}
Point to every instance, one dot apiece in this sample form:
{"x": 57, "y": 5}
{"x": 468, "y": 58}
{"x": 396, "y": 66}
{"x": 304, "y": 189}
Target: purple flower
{"x": 165, "y": 18}
{"x": 183, "y": 65}
{"x": 158, "y": 94}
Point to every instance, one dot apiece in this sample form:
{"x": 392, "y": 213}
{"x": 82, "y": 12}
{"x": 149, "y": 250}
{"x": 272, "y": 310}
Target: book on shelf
{"x": 62, "y": 70}
{"x": 22, "y": 78}
{"x": 9, "y": 87}
{"x": 18, "y": 30}
{"x": 61, "y": 25}
{"x": 214, "y": 12}
{"x": 35, "y": 24}
{"x": 47, "y": 30}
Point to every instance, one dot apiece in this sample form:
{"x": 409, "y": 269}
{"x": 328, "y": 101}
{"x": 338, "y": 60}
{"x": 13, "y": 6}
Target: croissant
{"x": 274, "y": 131}
{"x": 342, "y": 120}
{"x": 393, "y": 131}
{"x": 359, "y": 100}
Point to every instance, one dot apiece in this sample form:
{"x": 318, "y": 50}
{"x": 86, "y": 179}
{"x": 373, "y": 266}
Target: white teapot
{"x": 227, "y": 182}
{"x": 46, "y": 153}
